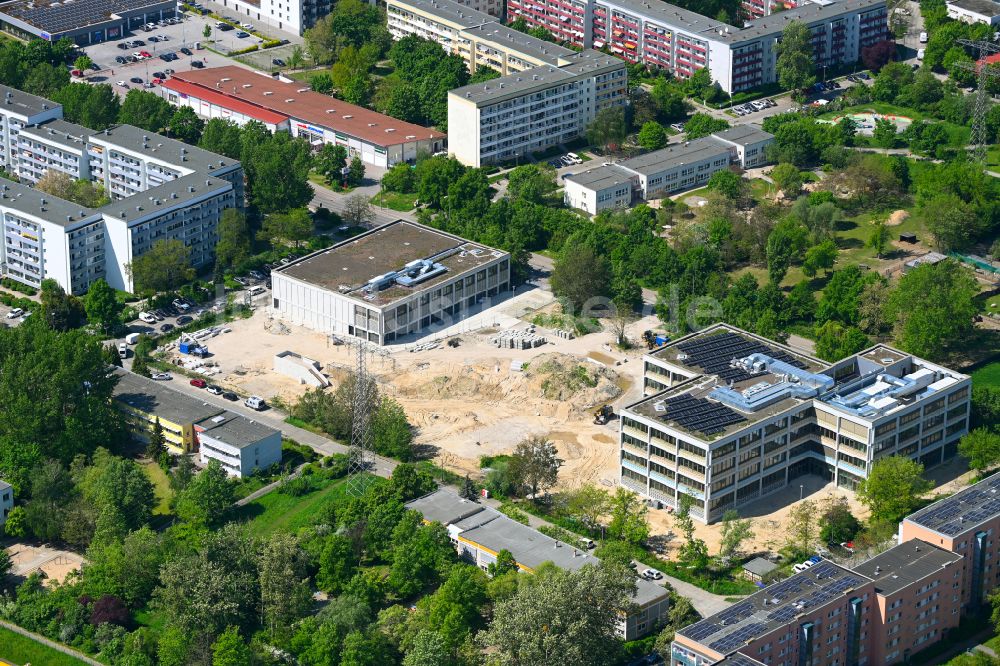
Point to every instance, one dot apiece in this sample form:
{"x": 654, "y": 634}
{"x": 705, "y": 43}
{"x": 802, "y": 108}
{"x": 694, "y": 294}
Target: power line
{"x": 984, "y": 72}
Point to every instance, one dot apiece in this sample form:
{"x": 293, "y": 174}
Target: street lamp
{"x": 801, "y": 490}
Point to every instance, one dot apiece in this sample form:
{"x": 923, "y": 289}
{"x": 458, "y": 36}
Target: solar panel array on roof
{"x": 964, "y": 510}
{"x": 57, "y": 17}
{"x": 699, "y": 414}
{"x": 740, "y": 637}
{"x": 713, "y": 353}
{"x": 702, "y": 630}
{"x": 740, "y": 659}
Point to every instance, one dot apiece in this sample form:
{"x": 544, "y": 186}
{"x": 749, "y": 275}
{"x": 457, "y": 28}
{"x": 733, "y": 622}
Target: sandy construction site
{"x": 468, "y": 401}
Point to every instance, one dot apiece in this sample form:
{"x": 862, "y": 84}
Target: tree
{"x": 129, "y": 569}
{"x": 469, "y": 490}
{"x": 293, "y": 226}
{"x": 670, "y": 99}
{"x": 121, "y": 494}
{"x": 694, "y": 552}
{"x": 391, "y": 432}
{"x": 429, "y": 649}
{"x": 207, "y": 498}
{"x": 820, "y": 256}
{"x": 878, "y": 238}
{"x": 628, "y": 517}
{"x": 297, "y": 58}
{"x": 61, "y": 311}
{"x": 358, "y": 211}
{"x": 788, "y": 179}
{"x": 876, "y": 56}
{"x": 62, "y": 185}
{"x": 981, "y": 447}
{"x": 331, "y": 160}
{"x": 277, "y": 169}
{"x": 83, "y": 63}
{"x": 505, "y": 563}
{"x": 93, "y": 106}
{"x": 578, "y": 610}
{"x": 400, "y": 178}
{"x": 580, "y": 275}
{"x": 234, "y": 245}
{"x": 157, "y": 445}
{"x": 223, "y": 137}
{"x": 285, "y": 593}
{"x": 534, "y": 465}
{"x": 933, "y": 307}
{"x": 795, "y": 64}
{"x": 607, "y": 130}
{"x": 45, "y": 80}
{"x": 165, "y": 266}
{"x": 533, "y": 183}
{"x": 837, "y": 523}
{"x": 785, "y": 242}
{"x": 892, "y": 488}
{"x": 652, "y": 136}
{"x": 703, "y": 124}
{"x": 186, "y": 125}
{"x": 146, "y": 110}
{"x": 728, "y": 183}
{"x": 735, "y": 531}
{"x": 834, "y": 341}
{"x": 356, "y": 172}
{"x": 103, "y": 307}
{"x": 953, "y": 223}
{"x": 884, "y": 134}
{"x": 801, "y": 529}
{"x": 206, "y": 32}
{"x": 588, "y": 504}
{"x": 337, "y": 564}
{"x": 230, "y": 649}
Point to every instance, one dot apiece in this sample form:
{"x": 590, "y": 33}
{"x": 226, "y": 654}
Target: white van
{"x": 255, "y": 402}
{"x": 122, "y": 350}
{"x": 131, "y": 338}
{"x": 920, "y": 54}
{"x": 256, "y": 290}
{"x": 923, "y": 38}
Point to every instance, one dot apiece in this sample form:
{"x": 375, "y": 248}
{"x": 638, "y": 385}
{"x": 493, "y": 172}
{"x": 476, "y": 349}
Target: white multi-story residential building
{"x": 680, "y": 166}
{"x": 475, "y": 36}
{"x": 159, "y": 188}
{"x": 510, "y": 117}
{"x": 241, "y": 445}
{"x": 730, "y": 417}
{"x": 661, "y": 35}
{"x": 975, "y": 11}
{"x": 6, "y": 501}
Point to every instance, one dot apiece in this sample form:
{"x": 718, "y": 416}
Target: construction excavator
{"x": 603, "y": 414}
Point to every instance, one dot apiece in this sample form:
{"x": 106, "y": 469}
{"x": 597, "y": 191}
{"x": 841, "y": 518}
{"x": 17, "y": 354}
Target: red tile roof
{"x": 185, "y": 89}
{"x": 237, "y": 85}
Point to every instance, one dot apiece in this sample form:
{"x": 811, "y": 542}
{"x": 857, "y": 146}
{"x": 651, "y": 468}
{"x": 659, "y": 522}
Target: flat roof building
{"x": 679, "y": 166}
{"x": 731, "y": 416}
{"x": 509, "y": 118}
{"x": 83, "y": 21}
{"x": 390, "y": 282}
{"x": 975, "y": 11}
{"x": 480, "y": 532}
{"x": 242, "y": 95}
{"x": 241, "y": 445}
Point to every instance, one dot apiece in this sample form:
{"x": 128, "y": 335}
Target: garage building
{"x": 390, "y": 282}
{"x": 83, "y": 21}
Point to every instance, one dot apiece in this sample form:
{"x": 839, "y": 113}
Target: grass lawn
{"x": 958, "y": 135}
{"x": 161, "y": 486}
{"x": 988, "y": 375}
{"x": 277, "y": 511}
{"x": 395, "y": 201}
{"x": 319, "y": 180}
{"x": 18, "y": 649}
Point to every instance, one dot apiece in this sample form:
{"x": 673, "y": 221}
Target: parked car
{"x": 652, "y": 574}
{"x": 123, "y": 84}
{"x": 229, "y": 395}
{"x": 800, "y": 567}
{"x": 848, "y": 546}
{"x": 145, "y": 54}
{"x": 199, "y": 383}
{"x": 161, "y": 376}
{"x": 15, "y": 313}
{"x": 815, "y": 559}
{"x": 124, "y": 45}
{"x": 277, "y": 62}
{"x": 180, "y": 305}
{"x": 587, "y": 543}
{"x": 576, "y": 158}
{"x": 256, "y": 275}
{"x": 184, "y": 319}
{"x": 255, "y": 402}
{"x": 241, "y": 34}
{"x": 122, "y": 350}
{"x": 154, "y": 39}
{"x": 214, "y": 389}
{"x": 166, "y": 328}
{"x": 677, "y": 127}
{"x": 186, "y": 51}
{"x": 146, "y": 317}
{"x": 197, "y": 64}
{"x": 120, "y": 60}
{"x": 159, "y": 75}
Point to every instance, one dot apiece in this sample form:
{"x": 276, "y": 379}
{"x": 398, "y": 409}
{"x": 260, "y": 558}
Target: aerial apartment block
{"x": 679, "y": 166}
{"x": 730, "y": 417}
{"x": 509, "y": 118}
{"x": 476, "y": 36}
{"x": 479, "y": 532}
{"x": 159, "y": 188}
{"x": 680, "y": 41}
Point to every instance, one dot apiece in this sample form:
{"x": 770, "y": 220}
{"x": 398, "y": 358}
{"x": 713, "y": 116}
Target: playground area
{"x": 866, "y": 120}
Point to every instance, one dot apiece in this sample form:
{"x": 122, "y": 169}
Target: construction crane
{"x": 984, "y": 72}
{"x": 362, "y": 455}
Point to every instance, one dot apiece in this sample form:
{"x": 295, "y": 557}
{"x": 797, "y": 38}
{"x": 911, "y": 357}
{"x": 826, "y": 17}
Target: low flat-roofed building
{"x": 145, "y": 401}
{"x": 818, "y": 616}
{"x": 918, "y": 603}
{"x": 600, "y": 188}
{"x": 750, "y": 142}
{"x": 679, "y": 166}
{"x": 928, "y": 258}
{"x": 975, "y": 11}
{"x": 241, "y": 445}
{"x": 390, "y": 282}
{"x": 731, "y": 416}
{"x": 374, "y": 137}
{"x": 480, "y": 532}
{"x": 83, "y": 21}
{"x": 756, "y": 569}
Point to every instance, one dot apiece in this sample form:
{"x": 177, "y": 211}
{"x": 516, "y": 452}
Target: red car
{"x": 200, "y": 383}
{"x": 145, "y": 54}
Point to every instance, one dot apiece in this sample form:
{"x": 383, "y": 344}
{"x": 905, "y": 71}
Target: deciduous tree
{"x": 933, "y": 307}
{"x": 795, "y": 64}
{"x": 628, "y": 517}
{"x": 981, "y": 447}
{"x": 166, "y": 266}
{"x": 535, "y": 465}
{"x": 892, "y": 488}
{"x": 652, "y": 136}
